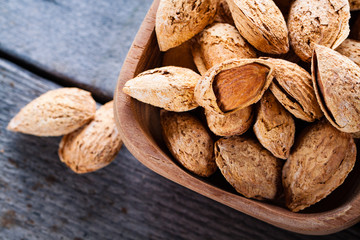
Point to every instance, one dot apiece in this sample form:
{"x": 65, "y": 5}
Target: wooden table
{"x": 53, "y": 43}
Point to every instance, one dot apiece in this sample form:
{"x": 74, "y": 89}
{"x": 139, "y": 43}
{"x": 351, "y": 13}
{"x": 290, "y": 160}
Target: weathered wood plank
{"x": 41, "y": 199}
{"x": 84, "y": 42}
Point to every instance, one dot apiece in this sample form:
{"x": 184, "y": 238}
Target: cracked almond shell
{"x": 336, "y": 80}
{"x": 189, "y": 142}
{"x": 93, "y": 146}
{"x": 171, "y": 88}
{"x": 235, "y": 123}
{"x": 223, "y": 13}
{"x": 262, "y": 24}
{"x": 208, "y": 99}
{"x": 292, "y": 87}
{"x": 249, "y": 168}
{"x": 350, "y": 48}
{"x": 324, "y": 22}
{"x": 180, "y": 20}
{"x": 274, "y": 126}
{"x": 218, "y": 43}
{"x": 319, "y": 163}
{"x": 55, "y": 113}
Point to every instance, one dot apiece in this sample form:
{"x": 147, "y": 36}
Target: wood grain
{"x": 142, "y": 137}
{"x": 81, "y": 43}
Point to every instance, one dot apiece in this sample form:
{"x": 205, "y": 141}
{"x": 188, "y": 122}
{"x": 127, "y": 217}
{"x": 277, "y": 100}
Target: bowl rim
{"x": 148, "y": 153}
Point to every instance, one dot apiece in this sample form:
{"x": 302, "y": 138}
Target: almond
{"x": 234, "y": 123}
{"x": 218, "y": 43}
{"x": 292, "y": 86}
{"x": 354, "y": 5}
{"x": 321, "y": 160}
{"x": 93, "y": 146}
{"x": 189, "y": 142}
{"x": 180, "y": 56}
{"x": 324, "y": 22}
{"x": 336, "y": 81}
{"x": 171, "y": 88}
{"x": 234, "y": 84}
{"x": 262, "y": 24}
{"x": 223, "y": 13}
{"x": 55, "y": 113}
{"x": 180, "y": 20}
{"x": 274, "y": 126}
{"x": 249, "y": 168}
{"x": 351, "y": 49}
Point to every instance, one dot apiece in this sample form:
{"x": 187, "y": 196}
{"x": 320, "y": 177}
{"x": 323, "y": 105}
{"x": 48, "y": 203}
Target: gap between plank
{"x": 57, "y": 78}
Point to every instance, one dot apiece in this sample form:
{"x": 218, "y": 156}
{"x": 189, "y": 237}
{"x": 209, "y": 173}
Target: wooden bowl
{"x": 140, "y": 130}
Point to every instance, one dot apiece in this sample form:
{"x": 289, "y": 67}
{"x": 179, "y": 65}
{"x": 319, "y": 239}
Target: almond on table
{"x": 55, "y": 113}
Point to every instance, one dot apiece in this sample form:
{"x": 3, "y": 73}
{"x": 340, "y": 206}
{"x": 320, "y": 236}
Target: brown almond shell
{"x": 93, "y": 146}
{"x": 350, "y": 48}
{"x": 319, "y": 163}
{"x": 274, "y": 126}
{"x": 170, "y": 88}
{"x": 292, "y": 87}
{"x": 324, "y": 22}
{"x": 235, "y": 123}
{"x": 262, "y": 24}
{"x": 189, "y": 142}
{"x": 180, "y": 20}
{"x": 249, "y": 168}
{"x": 218, "y": 43}
{"x": 336, "y": 80}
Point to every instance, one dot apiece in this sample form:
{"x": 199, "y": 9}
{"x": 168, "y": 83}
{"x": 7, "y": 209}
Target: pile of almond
{"x": 278, "y": 83}
{"x": 91, "y": 140}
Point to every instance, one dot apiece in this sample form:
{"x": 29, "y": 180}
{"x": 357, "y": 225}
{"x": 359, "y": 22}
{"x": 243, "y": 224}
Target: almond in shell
{"x": 351, "y": 49}
{"x": 180, "y": 20}
{"x": 234, "y": 84}
{"x": 336, "y": 81}
{"x": 262, "y": 24}
{"x": 223, "y": 13}
{"x": 171, "y": 88}
{"x": 292, "y": 86}
{"x": 234, "y": 123}
{"x": 218, "y": 43}
{"x": 274, "y": 126}
{"x": 55, "y": 113}
{"x": 189, "y": 142}
{"x": 319, "y": 163}
{"x": 93, "y": 146}
{"x": 324, "y": 22}
{"x": 249, "y": 168}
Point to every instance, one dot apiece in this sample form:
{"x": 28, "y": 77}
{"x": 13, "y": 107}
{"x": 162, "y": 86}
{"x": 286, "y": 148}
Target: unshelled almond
{"x": 324, "y": 22}
{"x": 171, "y": 88}
{"x": 351, "y": 49}
{"x": 55, "y": 113}
{"x": 189, "y": 142}
{"x": 93, "y": 146}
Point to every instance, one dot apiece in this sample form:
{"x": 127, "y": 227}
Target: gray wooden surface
{"x": 85, "y": 42}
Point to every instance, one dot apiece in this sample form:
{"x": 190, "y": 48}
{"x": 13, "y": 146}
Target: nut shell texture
{"x": 55, "y": 113}
{"x": 351, "y": 49}
{"x": 235, "y": 123}
{"x": 274, "y": 126}
{"x": 218, "y": 43}
{"x": 324, "y": 22}
{"x": 93, "y": 146}
{"x": 179, "y": 20}
{"x": 171, "y": 88}
{"x": 336, "y": 81}
{"x": 262, "y": 24}
{"x": 354, "y": 5}
{"x": 319, "y": 163}
{"x": 189, "y": 142}
{"x": 292, "y": 86}
{"x": 248, "y": 167}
